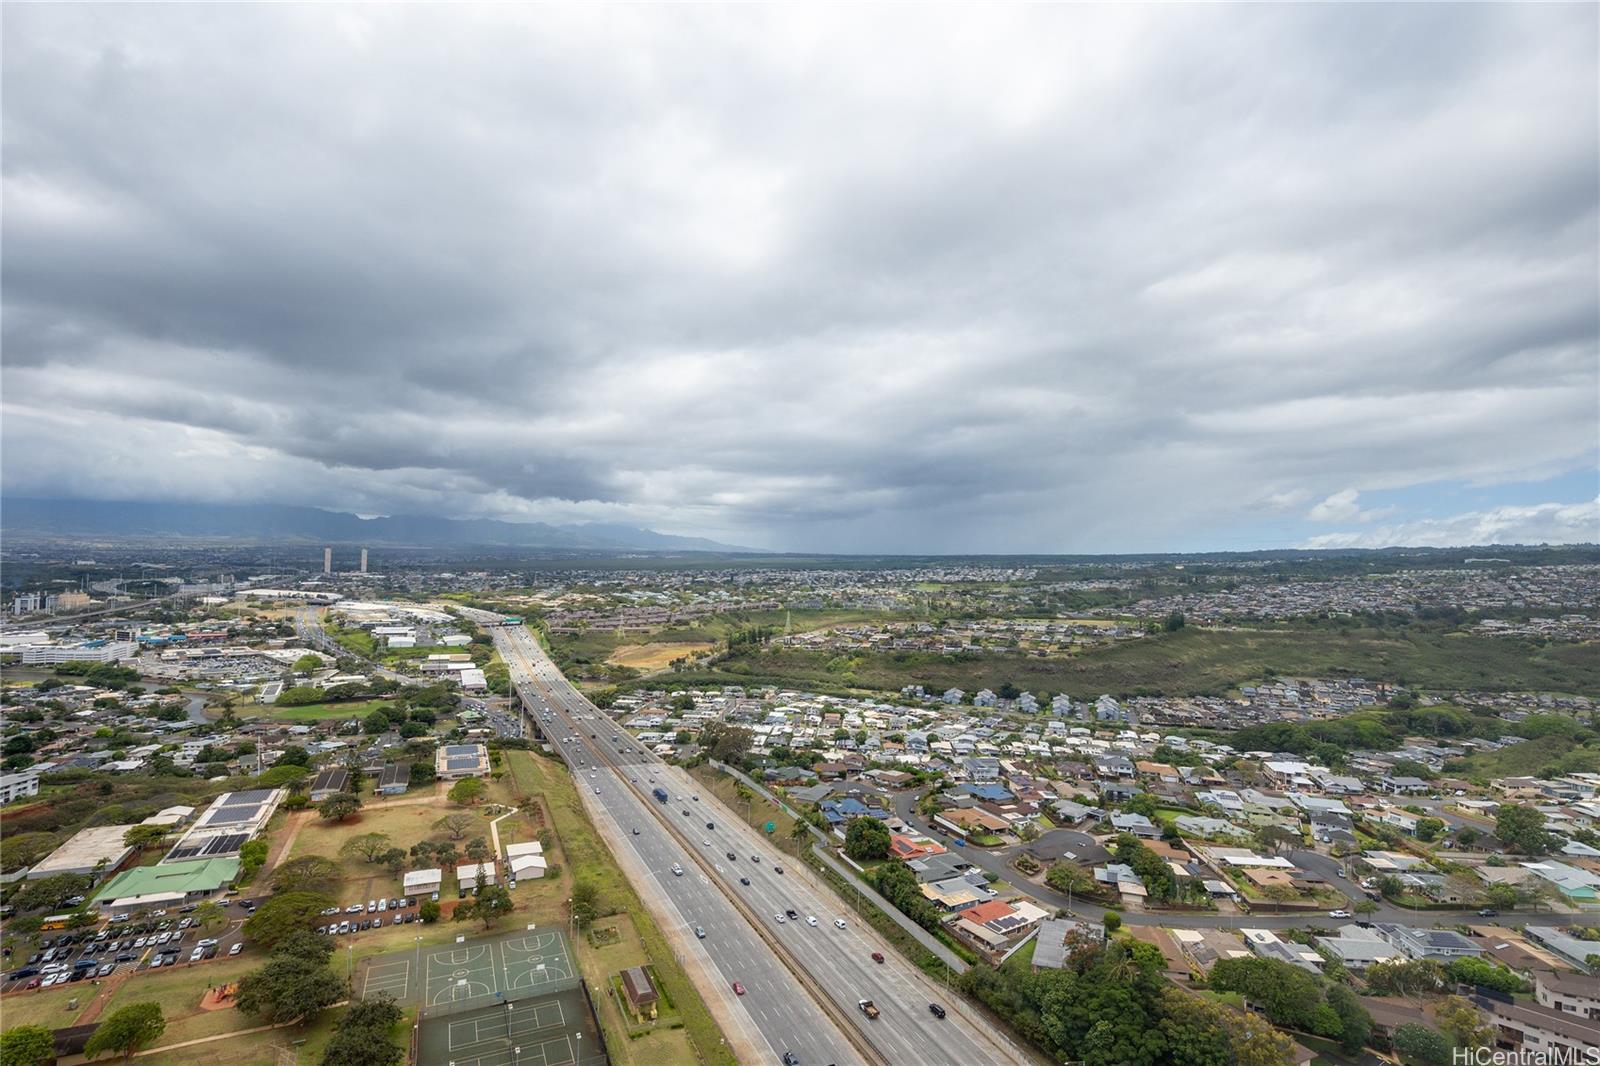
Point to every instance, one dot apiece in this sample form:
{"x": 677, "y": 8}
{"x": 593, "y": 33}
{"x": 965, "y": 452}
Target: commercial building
{"x": 455, "y": 761}
{"x": 96, "y": 848}
{"x": 166, "y": 883}
{"x": 423, "y": 882}
{"x": 94, "y": 651}
{"x": 19, "y": 785}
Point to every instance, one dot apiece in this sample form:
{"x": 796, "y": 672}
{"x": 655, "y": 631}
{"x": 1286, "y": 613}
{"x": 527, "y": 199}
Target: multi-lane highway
{"x": 802, "y": 980}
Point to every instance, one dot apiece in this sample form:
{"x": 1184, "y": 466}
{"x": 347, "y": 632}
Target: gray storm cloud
{"x": 1011, "y": 279}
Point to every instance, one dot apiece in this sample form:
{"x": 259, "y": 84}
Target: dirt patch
{"x": 655, "y": 656}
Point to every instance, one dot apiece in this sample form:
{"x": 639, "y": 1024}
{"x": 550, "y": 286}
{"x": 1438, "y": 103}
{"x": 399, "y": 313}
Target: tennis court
{"x": 554, "y": 1029}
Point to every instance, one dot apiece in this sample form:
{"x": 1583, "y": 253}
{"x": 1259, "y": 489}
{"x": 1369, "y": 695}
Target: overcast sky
{"x": 834, "y": 278}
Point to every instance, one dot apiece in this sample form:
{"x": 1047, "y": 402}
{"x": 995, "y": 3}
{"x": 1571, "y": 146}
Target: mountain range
{"x": 278, "y": 522}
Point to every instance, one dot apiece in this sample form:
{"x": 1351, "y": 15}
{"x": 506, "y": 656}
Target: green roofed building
{"x": 166, "y": 883}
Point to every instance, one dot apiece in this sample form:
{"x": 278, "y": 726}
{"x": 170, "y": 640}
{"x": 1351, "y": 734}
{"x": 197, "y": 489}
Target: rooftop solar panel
{"x": 461, "y": 749}
{"x": 249, "y": 795}
{"x": 183, "y": 851}
{"x": 461, "y": 762}
{"x": 231, "y": 815}
{"x": 224, "y": 844}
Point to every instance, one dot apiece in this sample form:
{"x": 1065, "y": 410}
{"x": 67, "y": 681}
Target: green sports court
{"x": 515, "y": 1000}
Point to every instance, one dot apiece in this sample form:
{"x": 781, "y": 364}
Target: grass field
{"x": 317, "y": 712}
{"x": 403, "y": 824}
{"x": 655, "y": 656}
{"x": 1194, "y": 661}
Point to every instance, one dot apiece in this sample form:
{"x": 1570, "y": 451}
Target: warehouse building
{"x": 96, "y": 848}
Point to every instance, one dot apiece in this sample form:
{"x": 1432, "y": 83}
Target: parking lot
{"x": 163, "y": 939}
{"x": 374, "y": 914}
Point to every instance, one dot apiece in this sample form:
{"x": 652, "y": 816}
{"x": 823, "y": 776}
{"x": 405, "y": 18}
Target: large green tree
{"x": 294, "y": 983}
{"x": 27, "y": 1045}
{"x": 866, "y": 839}
{"x": 369, "y": 846}
{"x": 339, "y": 806}
{"x": 284, "y": 913}
{"x": 313, "y": 873}
{"x": 364, "y": 1036}
{"x": 489, "y": 905}
{"x": 126, "y": 1031}
{"x": 1521, "y": 828}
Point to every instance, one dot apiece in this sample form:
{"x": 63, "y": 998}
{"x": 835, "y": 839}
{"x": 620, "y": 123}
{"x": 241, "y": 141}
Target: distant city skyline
{"x": 1044, "y": 279}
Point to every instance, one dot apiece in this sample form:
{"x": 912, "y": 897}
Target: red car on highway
{"x": 877, "y": 956}
{"x": 738, "y": 989}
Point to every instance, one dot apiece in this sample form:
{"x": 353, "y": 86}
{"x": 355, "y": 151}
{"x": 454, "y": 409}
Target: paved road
{"x": 839, "y": 961}
{"x": 905, "y": 804}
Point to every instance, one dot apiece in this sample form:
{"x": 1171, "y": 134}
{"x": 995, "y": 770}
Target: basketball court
{"x": 472, "y": 973}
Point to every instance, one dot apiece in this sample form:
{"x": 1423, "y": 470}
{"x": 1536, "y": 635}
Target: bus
{"x": 511, "y": 620}
{"x": 57, "y": 921}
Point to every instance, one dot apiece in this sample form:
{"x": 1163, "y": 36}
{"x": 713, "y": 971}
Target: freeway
{"x": 734, "y": 891}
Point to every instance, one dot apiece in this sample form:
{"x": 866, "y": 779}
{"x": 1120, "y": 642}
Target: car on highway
{"x": 711, "y": 826}
{"x": 1488, "y": 912}
{"x": 686, "y": 812}
{"x": 777, "y": 869}
{"x": 839, "y": 922}
{"x": 877, "y": 957}
{"x": 695, "y": 798}
{"x": 1340, "y": 914}
{"x": 597, "y": 792}
{"x": 936, "y": 1010}
{"x": 707, "y": 843}
{"x": 677, "y": 870}
{"x": 779, "y": 917}
{"x": 791, "y": 1059}
{"x": 738, "y": 989}
{"x": 732, "y": 857}
{"x": 811, "y": 919}
{"x": 744, "y": 880}
{"x": 635, "y": 830}
{"x": 699, "y": 932}
{"x": 755, "y": 858}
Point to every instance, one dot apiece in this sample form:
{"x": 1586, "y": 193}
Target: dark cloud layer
{"x": 1002, "y": 279}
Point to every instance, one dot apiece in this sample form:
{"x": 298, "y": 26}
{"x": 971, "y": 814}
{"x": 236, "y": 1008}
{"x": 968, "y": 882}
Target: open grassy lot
{"x": 317, "y": 712}
{"x": 1195, "y": 661}
{"x": 403, "y": 824}
{"x": 47, "y": 1006}
{"x": 655, "y": 656}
